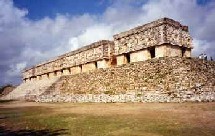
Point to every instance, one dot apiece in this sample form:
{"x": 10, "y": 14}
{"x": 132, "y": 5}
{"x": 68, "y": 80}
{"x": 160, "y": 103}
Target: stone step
{"x": 30, "y": 89}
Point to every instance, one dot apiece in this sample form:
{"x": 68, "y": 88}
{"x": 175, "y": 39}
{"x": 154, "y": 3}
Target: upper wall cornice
{"x": 153, "y": 24}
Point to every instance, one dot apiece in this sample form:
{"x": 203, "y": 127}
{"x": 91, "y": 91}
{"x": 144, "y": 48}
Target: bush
{"x": 5, "y": 86}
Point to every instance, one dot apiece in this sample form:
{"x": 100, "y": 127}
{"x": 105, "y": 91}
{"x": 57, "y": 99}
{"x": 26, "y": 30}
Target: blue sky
{"x": 32, "y": 31}
{"x": 41, "y": 8}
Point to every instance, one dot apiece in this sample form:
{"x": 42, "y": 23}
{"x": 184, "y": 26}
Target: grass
{"x": 143, "y": 119}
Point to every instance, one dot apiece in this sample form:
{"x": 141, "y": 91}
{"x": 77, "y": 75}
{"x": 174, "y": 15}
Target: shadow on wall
{"x": 22, "y": 132}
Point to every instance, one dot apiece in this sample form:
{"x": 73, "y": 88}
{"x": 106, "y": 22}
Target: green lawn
{"x": 117, "y": 119}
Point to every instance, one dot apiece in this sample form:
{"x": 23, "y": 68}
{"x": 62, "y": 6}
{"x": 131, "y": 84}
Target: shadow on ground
{"x": 22, "y": 132}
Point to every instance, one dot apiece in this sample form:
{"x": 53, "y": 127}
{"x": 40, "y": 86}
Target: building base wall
{"x": 173, "y": 51}
{"x": 121, "y": 59}
{"x": 75, "y": 70}
{"x": 160, "y": 51}
{"x": 66, "y": 72}
{"x": 38, "y": 78}
{"x": 45, "y": 76}
{"x": 52, "y": 74}
{"x": 187, "y": 53}
{"x": 103, "y": 63}
{"x": 59, "y": 73}
{"x": 140, "y": 55}
{"x": 88, "y": 67}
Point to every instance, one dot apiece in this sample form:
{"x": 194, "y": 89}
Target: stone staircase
{"x": 30, "y": 90}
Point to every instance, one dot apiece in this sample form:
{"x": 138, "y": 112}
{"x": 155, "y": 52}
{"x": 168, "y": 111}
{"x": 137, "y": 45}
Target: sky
{"x": 32, "y": 31}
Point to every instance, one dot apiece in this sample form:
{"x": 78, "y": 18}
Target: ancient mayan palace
{"x": 161, "y": 38}
{"x": 149, "y": 63}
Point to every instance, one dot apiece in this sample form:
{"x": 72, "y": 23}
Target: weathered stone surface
{"x": 30, "y": 90}
{"x": 91, "y": 53}
{"x": 159, "y": 32}
{"x": 171, "y": 79}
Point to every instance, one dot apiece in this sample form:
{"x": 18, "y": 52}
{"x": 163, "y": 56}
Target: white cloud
{"x": 16, "y": 68}
{"x": 25, "y": 42}
{"x": 92, "y": 34}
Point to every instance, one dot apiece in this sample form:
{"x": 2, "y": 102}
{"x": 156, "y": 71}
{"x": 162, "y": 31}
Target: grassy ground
{"x": 116, "y": 119}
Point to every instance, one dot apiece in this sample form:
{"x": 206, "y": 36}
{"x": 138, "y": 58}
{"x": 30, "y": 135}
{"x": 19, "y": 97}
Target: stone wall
{"x": 161, "y": 38}
{"x": 170, "y": 79}
{"x": 65, "y": 64}
{"x": 159, "y": 32}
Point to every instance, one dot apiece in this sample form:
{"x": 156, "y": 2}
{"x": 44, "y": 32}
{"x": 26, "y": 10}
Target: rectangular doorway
{"x": 152, "y": 52}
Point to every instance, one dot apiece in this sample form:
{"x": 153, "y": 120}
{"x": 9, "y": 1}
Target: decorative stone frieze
{"x": 94, "y": 52}
{"x": 162, "y": 31}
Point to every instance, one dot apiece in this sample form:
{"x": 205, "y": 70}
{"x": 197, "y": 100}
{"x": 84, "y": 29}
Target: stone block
{"x": 102, "y": 63}
{"x": 160, "y": 51}
{"x": 52, "y": 74}
{"x": 44, "y": 76}
{"x": 76, "y": 69}
{"x": 89, "y": 66}
{"x": 187, "y": 53}
{"x": 121, "y": 59}
{"x": 27, "y": 80}
{"x": 39, "y": 77}
{"x": 66, "y": 71}
{"x": 59, "y": 73}
{"x": 173, "y": 51}
{"x": 140, "y": 55}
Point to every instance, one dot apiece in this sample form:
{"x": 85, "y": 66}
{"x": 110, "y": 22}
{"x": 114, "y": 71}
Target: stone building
{"x": 161, "y": 38}
{"x": 149, "y": 63}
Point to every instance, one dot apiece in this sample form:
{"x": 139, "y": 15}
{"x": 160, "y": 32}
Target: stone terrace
{"x": 169, "y": 79}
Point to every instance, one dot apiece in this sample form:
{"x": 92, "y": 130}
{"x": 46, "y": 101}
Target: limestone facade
{"x": 161, "y": 38}
{"x": 95, "y": 55}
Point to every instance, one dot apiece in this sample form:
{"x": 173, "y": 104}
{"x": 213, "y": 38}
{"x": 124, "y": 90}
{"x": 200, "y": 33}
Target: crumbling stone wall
{"x": 169, "y": 79}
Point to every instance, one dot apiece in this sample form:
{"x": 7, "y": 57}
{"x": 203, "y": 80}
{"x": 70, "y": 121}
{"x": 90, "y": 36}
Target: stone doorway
{"x": 183, "y": 50}
{"x": 152, "y": 52}
{"x": 127, "y": 57}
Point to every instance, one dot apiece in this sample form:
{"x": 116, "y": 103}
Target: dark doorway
{"x": 80, "y": 66}
{"x": 96, "y": 65}
{"x": 152, "y": 52}
{"x": 127, "y": 56}
{"x": 55, "y": 73}
{"x": 183, "y": 50}
{"x": 113, "y": 61}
